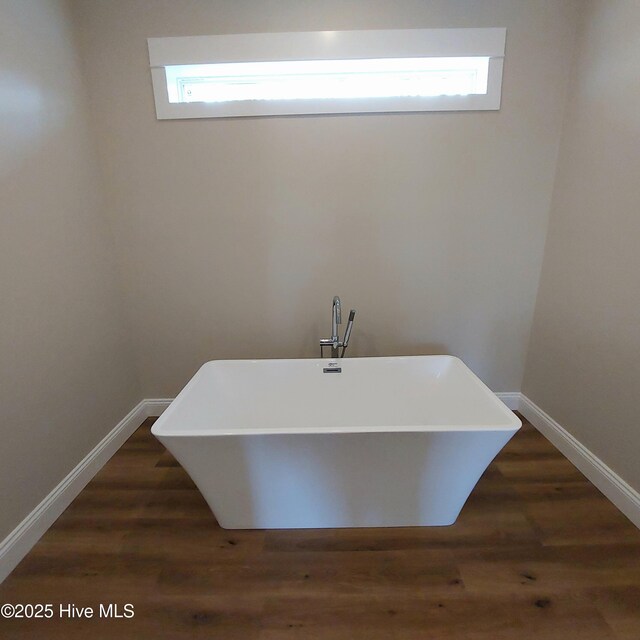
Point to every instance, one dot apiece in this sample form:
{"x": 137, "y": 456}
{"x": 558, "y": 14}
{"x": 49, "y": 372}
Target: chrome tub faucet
{"x": 334, "y": 341}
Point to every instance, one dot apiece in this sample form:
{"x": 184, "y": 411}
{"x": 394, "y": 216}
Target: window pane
{"x": 317, "y": 79}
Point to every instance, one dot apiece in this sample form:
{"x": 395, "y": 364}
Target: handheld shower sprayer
{"x": 347, "y": 333}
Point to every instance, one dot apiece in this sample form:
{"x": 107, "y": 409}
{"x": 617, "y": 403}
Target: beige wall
{"x": 583, "y": 366}
{"x": 235, "y": 234}
{"x": 66, "y": 376}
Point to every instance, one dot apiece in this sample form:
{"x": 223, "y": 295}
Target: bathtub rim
{"x": 161, "y": 428}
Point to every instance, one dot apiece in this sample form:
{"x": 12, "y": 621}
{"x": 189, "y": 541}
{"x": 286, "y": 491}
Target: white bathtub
{"x": 388, "y": 442}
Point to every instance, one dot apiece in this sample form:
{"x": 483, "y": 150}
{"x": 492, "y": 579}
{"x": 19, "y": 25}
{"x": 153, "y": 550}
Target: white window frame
{"x": 327, "y": 45}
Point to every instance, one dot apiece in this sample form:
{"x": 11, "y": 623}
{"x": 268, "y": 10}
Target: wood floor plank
{"x": 460, "y": 618}
{"x": 620, "y": 607}
{"x": 311, "y": 574}
{"x": 583, "y": 520}
{"x": 551, "y": 576}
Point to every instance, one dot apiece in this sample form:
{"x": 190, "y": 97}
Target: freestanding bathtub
{"x": 386, "y": 442}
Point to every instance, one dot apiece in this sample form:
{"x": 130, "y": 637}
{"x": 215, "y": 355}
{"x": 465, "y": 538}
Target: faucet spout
{"x": 336, "y": 319}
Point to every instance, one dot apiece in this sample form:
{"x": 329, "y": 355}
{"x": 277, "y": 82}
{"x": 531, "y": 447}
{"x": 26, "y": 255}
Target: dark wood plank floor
{"x": 537, "y": 552}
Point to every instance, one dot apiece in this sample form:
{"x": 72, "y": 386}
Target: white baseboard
{"x": 625, "y": 497}
{"x": 155, "y": 406}
{"x": 511, "y": 399}
{"x": 20, "y": 541}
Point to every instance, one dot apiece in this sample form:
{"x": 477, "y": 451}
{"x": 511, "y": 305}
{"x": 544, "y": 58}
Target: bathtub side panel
{"x": 337, "y": 480}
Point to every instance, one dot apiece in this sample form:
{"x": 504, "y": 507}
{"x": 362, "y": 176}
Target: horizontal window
{"x": 319, "y": 79}
{"x": 232, "y": 78}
